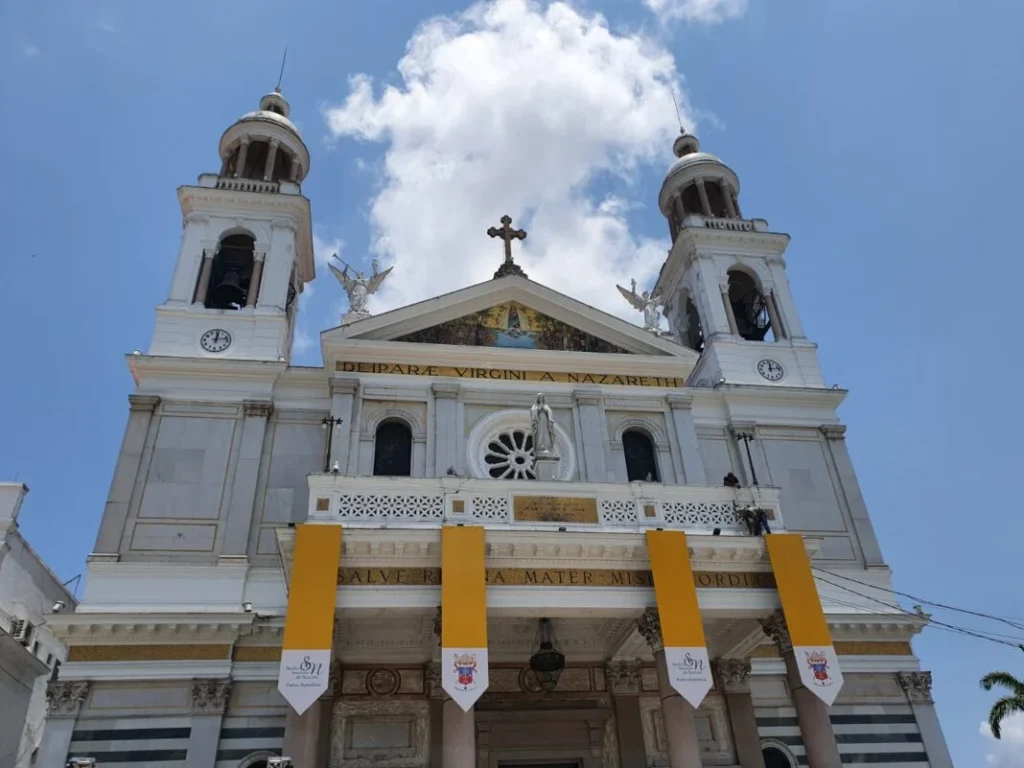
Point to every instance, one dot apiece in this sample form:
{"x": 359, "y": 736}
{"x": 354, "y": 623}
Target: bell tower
{"x": 724, "y": 282}
{"x": 246, "y": 247}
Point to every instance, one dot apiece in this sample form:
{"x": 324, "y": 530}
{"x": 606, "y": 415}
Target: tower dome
{"x": 697, "y": 182}
{"x": 265, "y": 144}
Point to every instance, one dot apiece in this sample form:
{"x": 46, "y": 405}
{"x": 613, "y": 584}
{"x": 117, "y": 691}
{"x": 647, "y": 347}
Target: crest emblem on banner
{"x": 465, "y": 671}
{"x": 817, "y": 663}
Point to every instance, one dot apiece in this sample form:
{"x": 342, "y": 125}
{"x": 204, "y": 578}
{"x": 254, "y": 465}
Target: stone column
{"x": 676, "y": 712}
{"x": 705, "y": 204}
{"x": 203, "y": 286}
{"x": 681, "y": 404}
{"x": 594, "y": 434}
{"x": 63, "y": 702}
{"x": 730, "y": 204}
{"x": 115, "y": 513}
{"x": 293, "y": 174}
{"x": 458, "y": 737}
{"x": 254, "y": 281}
{"x": 773, "y": 315}
{"x": 918, "y": 687}
{"x": 736, "y": 203}
{"x": 623, "y": 680}
{"x": 732, "y": 677}
{"x": 811, "y": 712}
{"x": 243, "y": 487}
{"x": 268, "y": 169}
{"x": 835, "y": 439}
{"x": 209, "y": 699}
{"x": 343, "y": 393}
{"x": 446, "y": 427}
{"x": 307, "y": 737}
{"x": 730, "y": 315}
{"x": 243, "y": 153}
{"x": 432, "y": 675}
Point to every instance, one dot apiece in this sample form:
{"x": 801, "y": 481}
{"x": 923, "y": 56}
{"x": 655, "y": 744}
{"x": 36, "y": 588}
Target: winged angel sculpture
{"x": 360, "y": 287}
{"x": 645, "y": 303}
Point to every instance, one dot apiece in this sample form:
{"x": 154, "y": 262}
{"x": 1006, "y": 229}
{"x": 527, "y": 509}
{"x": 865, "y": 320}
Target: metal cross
{"x": 507, "y": 234}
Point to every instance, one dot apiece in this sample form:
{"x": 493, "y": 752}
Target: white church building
{"x": 406, "y": 558}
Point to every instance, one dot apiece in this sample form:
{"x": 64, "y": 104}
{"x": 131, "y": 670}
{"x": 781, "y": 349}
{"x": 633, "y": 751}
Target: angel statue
{"x": 359, "y": 288}
{"x": 645, "y": 303}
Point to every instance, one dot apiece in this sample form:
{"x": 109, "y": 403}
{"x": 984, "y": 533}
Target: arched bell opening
{"x": 716, "y": 199}
{"x": 749, "y": 308}
{"x": 231, "y": 273}
{"x": 693, "y": 333}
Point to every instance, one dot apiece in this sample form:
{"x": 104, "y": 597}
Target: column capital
{"x": 344, "y": 385}
{"x": 723, "y": 286}
{"x": 64, "y": 697}
{"x": 623, "y": 678}
{"x": 587, "y": 396}
{"x": 245, "y": 141}
{"x": 679, "y": 401}
{"x": 260, "y": 256}
{"x": 143, "y": 402}
{"x": 775, "y": 627}
{"x": 917, "y": 686}
{"x": 732, "y": 675}
{"x": 833, "y": 431}
{"x": 257, "y": 408}
{"x": 209, "y": 697}
{"x": 649, "y": 625}
{"x": 275, "y": 143}
{"x": 445, "y": 389}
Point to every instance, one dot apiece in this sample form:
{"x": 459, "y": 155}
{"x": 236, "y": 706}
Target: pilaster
{"x": 835, "y": 440}
{"x": 115, "y": 512}
{"x": 681, "y": 404}
{"x": 64, "y": 700}
{"x": 623, "y": 680}
{"x": 446, "y": 435}
{"x": 732, "y": 677}
{"x": 208, "y": 700}
{"x": 243, "y": 488}
{"x": 918, "y": 688}
{"x": 344, "y": 390}
{"x": 811, "y": 712}
{"x": 594, "y": 433}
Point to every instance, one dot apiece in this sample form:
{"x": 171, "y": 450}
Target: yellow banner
{"x": 463, "y": 588}
{"x": 674, "y": 589}
{"x": 309, "y": 623}
{"x": 797, "y": 592}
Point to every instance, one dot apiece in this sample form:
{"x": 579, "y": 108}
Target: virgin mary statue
{"x": 543, "y": 428}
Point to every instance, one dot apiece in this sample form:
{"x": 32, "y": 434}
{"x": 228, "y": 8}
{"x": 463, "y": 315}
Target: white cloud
{"x": 514, "y": 108}
{"x": 303, "y": 341}
{"x": 701, "y": 11}
{"x": 1007, "y": 752}
{"x": 30, "y": 50}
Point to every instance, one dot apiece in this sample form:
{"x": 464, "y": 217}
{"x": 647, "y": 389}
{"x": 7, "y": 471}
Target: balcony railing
{"x": 246, "y": 185}
{"x": 430, "y": 502}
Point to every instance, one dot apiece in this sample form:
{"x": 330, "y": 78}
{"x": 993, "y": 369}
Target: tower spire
{"x": 280, "y": 76}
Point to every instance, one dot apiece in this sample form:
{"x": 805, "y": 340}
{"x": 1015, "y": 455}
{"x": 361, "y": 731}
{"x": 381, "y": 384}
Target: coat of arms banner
{"x": 463, "y": 614}
{"x": 801, "y": 606}
{"x": 682, "y": 634}
{"x": 309, "y": 623}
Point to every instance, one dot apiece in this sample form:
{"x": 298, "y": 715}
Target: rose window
{"x": 509, "y": 456}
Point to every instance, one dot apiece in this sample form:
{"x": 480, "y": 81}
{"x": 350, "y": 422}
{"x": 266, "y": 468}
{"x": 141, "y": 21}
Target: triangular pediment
{"x": 510, "y": 313}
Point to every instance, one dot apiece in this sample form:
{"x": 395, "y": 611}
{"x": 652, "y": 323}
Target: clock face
{"x": 215, "y": 340}
{"x": 771, "y": 370}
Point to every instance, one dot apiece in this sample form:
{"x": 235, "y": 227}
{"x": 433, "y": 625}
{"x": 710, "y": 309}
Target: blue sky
{"x": 883, "y": 135}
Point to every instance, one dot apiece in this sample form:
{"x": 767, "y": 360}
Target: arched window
{"x": 693, "y": 335}
{"x": 392, "y": 450}
{"x": 231, "y": 273}
{"x": 776, "y": 758}
{"x": 749, "y": 307}
{"x": 641, "y": 463}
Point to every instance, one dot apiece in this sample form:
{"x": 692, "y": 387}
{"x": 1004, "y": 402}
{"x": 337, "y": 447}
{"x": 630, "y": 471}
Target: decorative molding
{"x": 775, "y": 627}
{"x": 210, "y": 697}
{"x": 872, "y": 648}
{"x": 445, "y": 389}
{"x": 257, "y": 653}
{"x": 917, "y": 686}
{"x": 587, "y": 397}
{"x": 174, "y": 652}
{"x": 682, "y": 401}
{"x": 344, "y": 385}
{"x": 623, "y": 678}
{"x": 64, "y": 697}
{"x": 649, "y": 625}
{"x": 490, "y": 427}
{"x": 833, "y": 431}
{"x": 432, "y": 676}
{"x": 143, "y": 402}
{"x": 732, "y": 675}
{"x": 378, "y": 416}
{"x": 257, "y": 408}
{"x": 383, "y": 682}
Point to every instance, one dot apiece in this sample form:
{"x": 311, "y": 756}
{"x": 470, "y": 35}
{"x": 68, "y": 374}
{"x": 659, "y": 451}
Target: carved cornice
{"x": 344, "y": 385}
{"x": 917, "y": 686}
{"x": 258, "y": 408}
{"x": 444, "y": 389}
{"x": 587, "y": 397}
{"x": 833, "y": 431}
{"x": 733, "y": 675}
{"x": 64, "y": 697}
{"x": 649, "y": 625}
{"x": 210, "y": 697}
{"x": 143, "y": 402}
{"x": 682, "y": 401}
{"x": 775, "y": 627}
{"x": 623, "y": 678}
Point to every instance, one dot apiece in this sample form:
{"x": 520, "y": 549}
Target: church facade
{"x": 496, "y": 528}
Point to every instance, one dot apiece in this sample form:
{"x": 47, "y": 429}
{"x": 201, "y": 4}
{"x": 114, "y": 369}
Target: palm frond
{"x": 1001, "y": 710}
{"x": 1005, "y": 680}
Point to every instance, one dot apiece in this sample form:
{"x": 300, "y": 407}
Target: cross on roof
{"x": 506, "y": 233}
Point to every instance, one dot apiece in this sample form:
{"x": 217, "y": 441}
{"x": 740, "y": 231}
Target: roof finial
{"x": 675, "y": 103}
{"x": 277, "y": 88}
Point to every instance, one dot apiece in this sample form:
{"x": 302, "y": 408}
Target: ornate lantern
{"x": 547, "y": 662}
